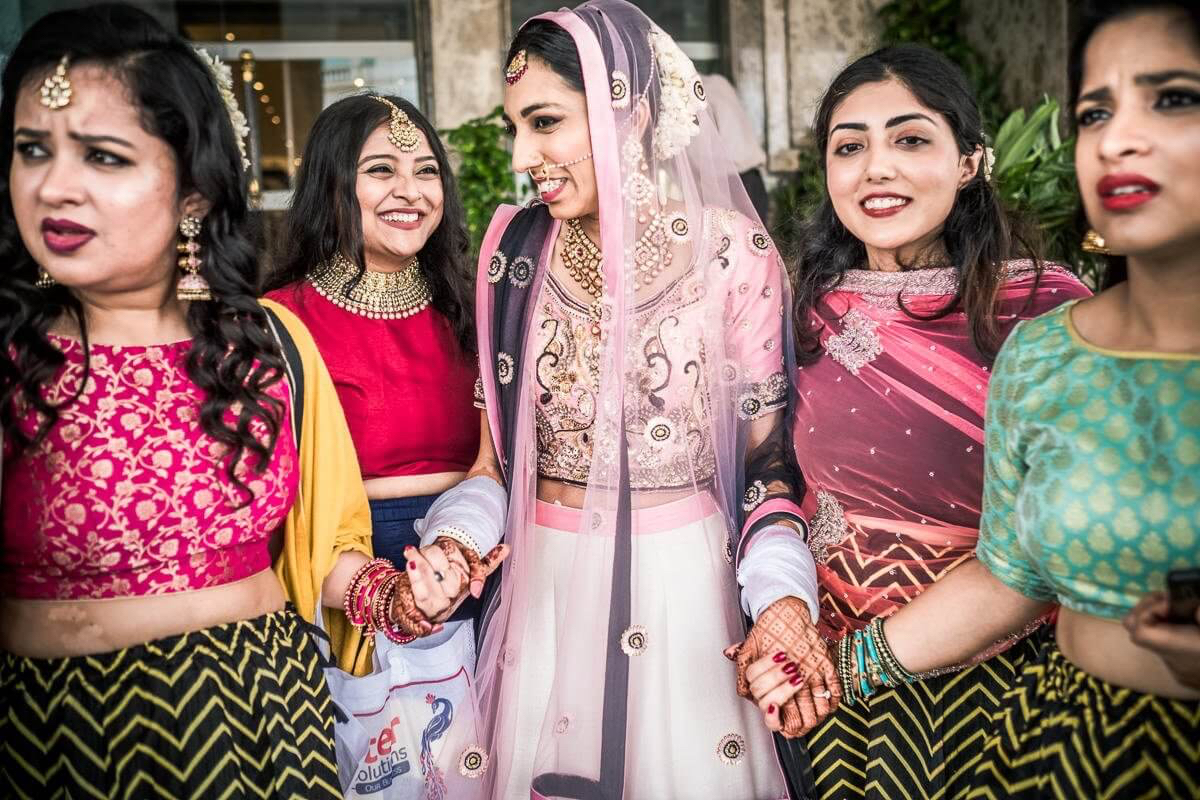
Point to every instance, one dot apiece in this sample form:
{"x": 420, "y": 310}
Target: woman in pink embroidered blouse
{"x": 905, "y": 289}
{"x": 150, "y": 445}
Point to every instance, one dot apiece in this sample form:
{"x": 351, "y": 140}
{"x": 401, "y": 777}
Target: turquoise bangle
{"x": 860, "y": 657}
{"x": 873, "y": 654}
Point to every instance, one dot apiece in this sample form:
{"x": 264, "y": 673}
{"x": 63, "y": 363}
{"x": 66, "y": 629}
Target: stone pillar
{"x": 466, "y": 46}
{"x": 746, "y": 60}
{"x": 805, "y": 44}
{"x": 1028, "y": 39}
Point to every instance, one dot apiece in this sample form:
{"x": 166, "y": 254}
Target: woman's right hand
{"x": 1177, "y": 645}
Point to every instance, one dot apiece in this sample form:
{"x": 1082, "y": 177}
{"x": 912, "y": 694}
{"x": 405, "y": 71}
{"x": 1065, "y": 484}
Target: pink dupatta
{"x": 889, "y": 433}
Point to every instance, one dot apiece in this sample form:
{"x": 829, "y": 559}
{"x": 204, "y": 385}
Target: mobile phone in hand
{"x": 1183, "y": 595}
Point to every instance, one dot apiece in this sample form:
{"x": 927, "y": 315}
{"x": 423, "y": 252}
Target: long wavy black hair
{"x": 233, "y": 357}
{"x": 325, "y": 219}
{"x": 1092, "y": 16}
{"x": 979, "y": 236}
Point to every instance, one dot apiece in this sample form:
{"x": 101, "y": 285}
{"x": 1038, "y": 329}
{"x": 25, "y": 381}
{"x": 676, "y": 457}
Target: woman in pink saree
{"x": 907, "y": 287}
{"x": 634, "y": 352}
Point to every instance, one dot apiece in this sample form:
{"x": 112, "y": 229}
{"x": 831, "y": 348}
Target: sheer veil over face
{"x": 668, "y": 406}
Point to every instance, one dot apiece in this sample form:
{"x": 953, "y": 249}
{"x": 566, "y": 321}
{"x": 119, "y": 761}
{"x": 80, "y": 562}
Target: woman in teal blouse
{"x": 1092, "y": 463}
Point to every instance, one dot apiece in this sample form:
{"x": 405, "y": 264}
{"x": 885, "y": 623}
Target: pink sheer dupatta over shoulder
{"x": 687, "y": 368}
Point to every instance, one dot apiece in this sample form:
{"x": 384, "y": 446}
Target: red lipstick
{"x": 1124, "y": 191}
{"x": 62, "y": 236}
{"x": 887, "y": 210}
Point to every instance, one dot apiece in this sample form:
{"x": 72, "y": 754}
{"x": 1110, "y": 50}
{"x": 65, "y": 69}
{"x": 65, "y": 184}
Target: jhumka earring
{"x": 192, "y": 285}
{"x": 1094, "y": 243}
{"x": 402, "y": 133}
{"x": 56, "y": 90}
{"x": 44, "y": 280}
{"x": 516, "y": 68}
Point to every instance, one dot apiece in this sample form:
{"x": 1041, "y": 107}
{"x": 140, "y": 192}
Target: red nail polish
{"x": 771, "y": 708}
{"x": 796, "y": 680}
{"x": 789, "y": 668}
{"x": 412, "y": 565}
{"x": 780, "y": 658}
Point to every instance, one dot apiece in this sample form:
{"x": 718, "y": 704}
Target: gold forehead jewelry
{"x": 56, "y": 89}
{"x": 402, "y": 133}
{"x": 516, "y": 68}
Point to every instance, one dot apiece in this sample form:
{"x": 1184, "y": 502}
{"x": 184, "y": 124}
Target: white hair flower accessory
{"x": 989, "y": 163}
{"x": 681, "y": 97}
{"x": 223, "y": 76}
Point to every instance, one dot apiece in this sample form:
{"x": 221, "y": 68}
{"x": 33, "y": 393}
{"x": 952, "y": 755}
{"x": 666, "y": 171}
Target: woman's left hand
{"x": 1177, "y": 645}
{"x": 785, "y": 668}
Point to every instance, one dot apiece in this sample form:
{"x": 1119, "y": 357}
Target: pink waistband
{"x": 654, "y": 519}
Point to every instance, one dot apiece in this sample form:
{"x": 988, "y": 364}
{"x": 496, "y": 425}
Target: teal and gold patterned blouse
{"x": 1092, "y": 468}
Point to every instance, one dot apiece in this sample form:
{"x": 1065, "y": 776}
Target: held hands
{"x": 785, "y": 668}
{"x": 441, "y": 575}
{"x": 1177, "y": 645}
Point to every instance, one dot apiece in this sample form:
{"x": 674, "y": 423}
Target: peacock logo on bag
{"x": 385, "y": 762}
{"x": 443, "y": 714}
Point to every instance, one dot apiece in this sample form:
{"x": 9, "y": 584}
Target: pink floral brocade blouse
{"x": 127, "y": 495}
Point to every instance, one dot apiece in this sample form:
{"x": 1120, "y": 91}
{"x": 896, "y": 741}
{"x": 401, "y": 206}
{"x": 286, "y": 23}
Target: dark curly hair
{"x": 979, "y": 235}
{"x": 325, "y": 219}
{"x": 233, "y": 358}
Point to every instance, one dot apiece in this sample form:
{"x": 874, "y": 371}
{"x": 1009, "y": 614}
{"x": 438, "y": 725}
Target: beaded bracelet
{"x": 865, "y": 663}
{"x": 887, "y": 657}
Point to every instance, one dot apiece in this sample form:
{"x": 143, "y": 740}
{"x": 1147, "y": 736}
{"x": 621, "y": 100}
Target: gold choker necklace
{"x": 378, "y": 295}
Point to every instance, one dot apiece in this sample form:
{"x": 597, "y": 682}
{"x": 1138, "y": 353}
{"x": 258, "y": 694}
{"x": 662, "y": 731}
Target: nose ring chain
{"x": 545, "y": 168}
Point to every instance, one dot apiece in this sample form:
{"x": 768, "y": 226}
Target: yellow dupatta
{"x": 331, "y": 515}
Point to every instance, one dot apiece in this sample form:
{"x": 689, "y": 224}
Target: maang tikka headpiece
{"x": 402, "y": 133}
{"x": 56, "y": 89}
{"x": 516, "y": 68}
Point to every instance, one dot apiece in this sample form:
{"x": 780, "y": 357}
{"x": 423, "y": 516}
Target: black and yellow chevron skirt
{"x": 923, "y": 740}
{"x": 1063, "y": 733}
{"x": 239, "y": 710}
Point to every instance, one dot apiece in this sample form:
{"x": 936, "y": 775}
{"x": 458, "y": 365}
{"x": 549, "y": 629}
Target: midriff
{"x": 64, "y": 628}
{"x": 411, "y": 485}
{"x": 552, "y": 491}
{"x": 1102, "y": 647}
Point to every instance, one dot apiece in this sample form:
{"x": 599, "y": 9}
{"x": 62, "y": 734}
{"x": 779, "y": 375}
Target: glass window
{"x": 694, "y": 24}
{"x": 291, "y": 59}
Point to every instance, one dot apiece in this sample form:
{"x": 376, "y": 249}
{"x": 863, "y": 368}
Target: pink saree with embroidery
{"x": 889, "y": 435}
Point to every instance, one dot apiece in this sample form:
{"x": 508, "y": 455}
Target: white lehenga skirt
{"x": 688, "y": 734}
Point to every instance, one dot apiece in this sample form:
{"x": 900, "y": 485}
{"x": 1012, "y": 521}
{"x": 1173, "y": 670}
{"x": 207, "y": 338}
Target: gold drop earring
{"x": 1094, "y": 243}
{"x": 192, "y": 285}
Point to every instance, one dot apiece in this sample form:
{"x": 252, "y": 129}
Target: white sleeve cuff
{"x": 473, "y": 513}
{"x": 777, "y": 564}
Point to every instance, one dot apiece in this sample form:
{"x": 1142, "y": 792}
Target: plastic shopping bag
{"x": 406, "y": 725}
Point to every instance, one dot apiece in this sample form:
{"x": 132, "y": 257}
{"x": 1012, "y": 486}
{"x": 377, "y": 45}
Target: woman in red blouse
{"x": 376, "y": 259}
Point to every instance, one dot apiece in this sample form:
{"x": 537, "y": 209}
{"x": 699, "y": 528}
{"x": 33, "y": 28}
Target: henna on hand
{"x": 478, "y": 568}
{"x": 786, "y": 627}
{"x": 405, "y": 614}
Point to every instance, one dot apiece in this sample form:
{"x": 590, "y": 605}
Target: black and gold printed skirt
{"x": 238, "y": 710}
{"x": 1063, "y": 733}
{"x": 922, "y": 740}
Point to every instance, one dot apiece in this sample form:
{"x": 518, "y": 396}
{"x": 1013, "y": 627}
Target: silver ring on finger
{"x": 439, "y": 577}
{"x": 826, "y": 694}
